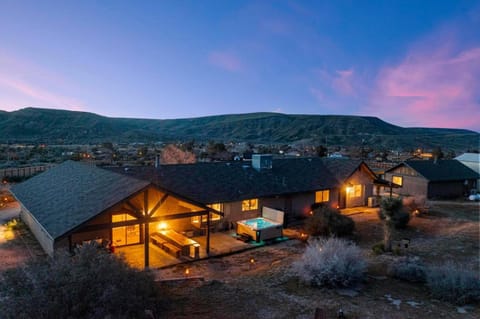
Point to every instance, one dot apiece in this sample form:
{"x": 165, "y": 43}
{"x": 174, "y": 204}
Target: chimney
{"x": 262, "y": 161}
{"x": 157, "y": 160}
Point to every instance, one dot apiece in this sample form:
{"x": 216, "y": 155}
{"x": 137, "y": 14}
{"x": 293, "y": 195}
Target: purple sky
{"x": 411, "y": 63}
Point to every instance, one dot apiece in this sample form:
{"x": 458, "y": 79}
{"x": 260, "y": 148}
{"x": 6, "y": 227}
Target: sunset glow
{"x": 411, "y": 63}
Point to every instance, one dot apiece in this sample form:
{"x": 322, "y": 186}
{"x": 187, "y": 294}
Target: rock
{"x": 414, "y": 304}
{"x": 395, "y": 302}
{"x": 461, "y": 310}
{"x": 347, "y": 292}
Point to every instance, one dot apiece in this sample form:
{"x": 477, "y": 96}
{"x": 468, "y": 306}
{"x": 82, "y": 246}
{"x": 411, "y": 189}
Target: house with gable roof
{"x": 432, "y": 178}
{"x": 177, "y": 207}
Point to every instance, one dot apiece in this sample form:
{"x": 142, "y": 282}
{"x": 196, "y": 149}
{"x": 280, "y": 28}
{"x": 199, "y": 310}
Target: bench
{"x": 172, "y": 249}
{"x": 244, "y": 237}
{"x": 157, "y": 240}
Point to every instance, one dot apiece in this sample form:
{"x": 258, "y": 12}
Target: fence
{"x": 24, "y": 171}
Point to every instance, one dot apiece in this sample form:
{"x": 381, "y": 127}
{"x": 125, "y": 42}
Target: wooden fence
{"x": 24, "y": 171}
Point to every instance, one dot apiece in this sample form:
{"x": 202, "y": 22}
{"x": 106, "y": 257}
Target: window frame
{"x": 249, "y": 204}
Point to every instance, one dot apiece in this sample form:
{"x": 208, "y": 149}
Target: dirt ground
{"x": 259, "y": 283}
{"x": 233, "y": 287}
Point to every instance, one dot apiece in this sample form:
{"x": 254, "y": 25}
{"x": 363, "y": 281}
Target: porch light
{"x": 162, "y": 226}
{"x": 187, "y": 272}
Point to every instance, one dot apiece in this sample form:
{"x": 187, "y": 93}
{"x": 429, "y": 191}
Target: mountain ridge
{"x": 51, "y": 125}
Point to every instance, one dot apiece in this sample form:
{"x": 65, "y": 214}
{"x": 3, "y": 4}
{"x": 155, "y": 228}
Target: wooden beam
{"x": 145, "y": 203}
{"x": 147, "y": 243}
{"x": 158, "y": 204}
{"x": 136, "y": 211}
{"x": 208, "y": 234}
{"x": 139, "y": 221}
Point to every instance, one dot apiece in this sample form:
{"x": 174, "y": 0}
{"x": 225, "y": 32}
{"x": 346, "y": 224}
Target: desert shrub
{"x": 91, "y": 284}
{"x": 399, "y": 216}
{"x": 332, "y": 262}
{"x": 378, "y": 248}
{"x": 326, "y": 221}
{"x": 454, "y": 283}
{"x": 409, "y": 269}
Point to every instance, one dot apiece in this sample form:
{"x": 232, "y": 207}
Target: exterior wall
{"x": 450, "y": 189}
{"x": 360, "y": 177}
{"x": 475, "y": 166}
{"x": 411, "y": 185}
{"x": 294, "y": 205}
{"x": 42, "y": 236}
{"x": 233, "y": 211}
{"x": 301, "y": 204}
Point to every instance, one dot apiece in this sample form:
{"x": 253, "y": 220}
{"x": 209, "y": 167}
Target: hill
{"x": 59, "y": 126}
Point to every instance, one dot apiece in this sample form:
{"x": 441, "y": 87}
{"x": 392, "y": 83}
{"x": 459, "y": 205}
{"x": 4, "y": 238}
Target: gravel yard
{"x": 259, "y": 283}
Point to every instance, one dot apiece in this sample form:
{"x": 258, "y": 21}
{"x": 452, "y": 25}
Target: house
{"x": 241, "y": 189}
{"x": 177, "y": 207}
{"x": 432, "y": 179}
{"x": 471, "y": 160}
{"x": 74, "y": 202}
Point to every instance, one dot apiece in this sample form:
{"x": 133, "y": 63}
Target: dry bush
{"x": 327, "y": 221}
{"x": 408, "y": 268}
{"x": 332, "y": 262}
{"x": 454, "y": 283}
{"x": 91, "y": 284}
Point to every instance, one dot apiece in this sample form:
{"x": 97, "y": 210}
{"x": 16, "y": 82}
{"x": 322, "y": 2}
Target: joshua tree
{"x": 390, "y": 208}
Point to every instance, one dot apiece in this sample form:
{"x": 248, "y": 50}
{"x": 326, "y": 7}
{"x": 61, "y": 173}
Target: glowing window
{"x": 397, "y": 180}
{"x": 322, "y": 196}
{"x": 357, "y": 191}
{"x": 249, "y": 204}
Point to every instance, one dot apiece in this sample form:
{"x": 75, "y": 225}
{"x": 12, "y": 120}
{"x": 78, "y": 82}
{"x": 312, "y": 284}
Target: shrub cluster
{"x": 408, "y": 268}
{"x": 332, "y": 262}
{"x": 454, "y": 283}
{"x": 91, "y": 284}
{"x": 400, "y": 217}
{"x": 326, "y": 221}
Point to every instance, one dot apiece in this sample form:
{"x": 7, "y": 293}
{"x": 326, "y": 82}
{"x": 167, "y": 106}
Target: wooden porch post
{"x": 147, "y": 229}
{"x": 208, "y": 233}
{"x": 147, "y": 242}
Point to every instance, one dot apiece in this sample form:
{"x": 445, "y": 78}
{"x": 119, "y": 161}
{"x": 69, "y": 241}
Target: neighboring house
{"x": 471, "y": 160}
{"x": 433, "y": 179}
{"x": 77, "y": 202}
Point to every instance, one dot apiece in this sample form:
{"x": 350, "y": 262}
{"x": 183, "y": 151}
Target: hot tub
{"x": 260, "y": 228}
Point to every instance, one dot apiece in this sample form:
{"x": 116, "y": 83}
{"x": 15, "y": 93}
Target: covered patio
{"x": 220, "y": 243}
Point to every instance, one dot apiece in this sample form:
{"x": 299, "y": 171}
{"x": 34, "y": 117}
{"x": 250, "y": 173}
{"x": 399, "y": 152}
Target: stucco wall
{"x": 360, "y": 177}
{"x": 411, "y": 186}
{"x": 45, "y": 240}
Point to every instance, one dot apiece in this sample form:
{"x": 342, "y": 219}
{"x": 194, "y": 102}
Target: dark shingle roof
{"x": 225, "y": 182}
{"x": 443, "y": 170}
{"x": 72, "y": 193}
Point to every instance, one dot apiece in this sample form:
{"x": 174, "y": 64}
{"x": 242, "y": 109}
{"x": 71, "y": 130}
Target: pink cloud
{"x": 433, "y": 86}
{"x": 342, "y": 83}
{"x": 22, "y": 84}
{"x": 226, "y": 61}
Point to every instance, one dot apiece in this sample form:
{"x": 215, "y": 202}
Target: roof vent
{"x": 262, "y": 161}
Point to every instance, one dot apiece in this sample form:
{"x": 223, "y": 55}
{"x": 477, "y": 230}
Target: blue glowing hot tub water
{"x": 258, "y": 223}
{"x": 260, "y": 228}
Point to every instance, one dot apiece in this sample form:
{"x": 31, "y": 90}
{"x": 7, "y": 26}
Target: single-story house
{"x": 433, "y": 178}
{"x": 76, "y": 202}
{"x": 471, "y": 160}
{"x": 241, "y": 189}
